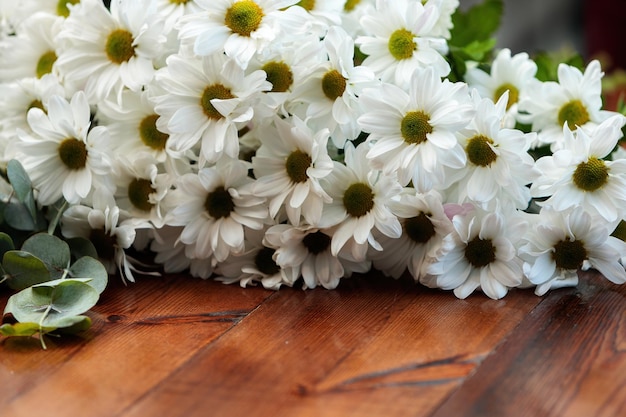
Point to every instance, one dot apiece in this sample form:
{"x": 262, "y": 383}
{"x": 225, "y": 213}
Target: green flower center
{"x": 333, "y": 84}
{"x": 479, "y": 152}
{"x": 415, "y": 127}
{"x": 73, "y": 153}
{"x": 419, "y": 229}
{"x": 219, "y": 203}
{"x": 150, "y": 135}
{"x": 350, "y": 5}
{"x": 306, "y": 4}
{"x": 297, "y": 164}
{"x": 244, "y": 17}
{"x": 215, "y": 91}
{"x": 36, "y": 104}
{"x": 280, "y": 75}
{"x": 119, "y": 46}
{"x": 513, "y": 94}
{"x": 574, "y": 113}
{"x": 569, "y": 254}
{"x": 316, "y": 242}
{"x": 480, "y": 252}
{"x": 139, "y": 191}
{"x": 179, "y": 1}
{"x": 62, "y": 9}
{"x": 358, "y": 199}
{"x": 104, "y": 243}
{"x": 591, "y": 175}
{"x": 264, "y": 261}
{"x": 44, "y": 65}
{"x": 401, "y": 44}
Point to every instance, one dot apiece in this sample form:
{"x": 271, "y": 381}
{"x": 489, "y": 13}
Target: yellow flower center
{"x": 480, "y": 252}
{"x": 358, "y": 199}
{"x": 513, "y": 94}
{"x": 591, "y": 175}
{"x": 219, "y": 203}
{"x": 279, "y": 75}
{"x": 479, "y": 152}
{"x": 139, "y": 191}
{"x": 333, "y": 84}
{"x": 350, "y": 5}
{"x": 419, "y": 228}
{"x": 62, "y": 9}
{"x": 569, "y": 254}
{"x": 44, "y": 65}
{"x": 215, "y": 91}
{"x": 574, "y": 113}
{"x": 36, "y": 104}
{"x": 244, "y": 17}
{"x": 297, "y": 164}
{"x": 150, "y": 135}
{"x": 401, "y": 44}
{"x": 316, "y": 242}
{"x": 415, "y": 127}
{"x": 179, "y": 1}
{"x": 119, "y": 46}
{"x": 306, "y": 4}
{"x": 73, "y": 153}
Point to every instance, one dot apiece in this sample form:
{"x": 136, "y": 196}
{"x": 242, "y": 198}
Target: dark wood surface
{"x": 177, "y": 346}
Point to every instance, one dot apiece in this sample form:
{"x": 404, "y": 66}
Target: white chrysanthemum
{"x": 508, "y": 73}
{"x": 23, "y": 9}
{"x": 318, "y": 15}
{"x": 115, "y": 50}
{"x": 575, "y": 100}
{"x": 239, "y": 28}
{"x": 288, "y": 167}
{"x": 172, "y": 10}
{"x": 353, "y": 11}
{"x": 206, "y": 101}
{"x": 562, "y": 242}
{"x": 176, "y": 256}
{"x": 424, "y": 225}
{"x": 402, "y": 41}
{"x": 577, "y": 174}
{"x": 413, "y": 134}
{"x": 481, "y": 252}
{"x": 360, "y": 198}
{"x": 498, "y": 168}
{"x": 32, "y": 52}
{"x": 213, "y": 211}
{"x": 331, "y": 91}
{"x": 62, "y": 155}
{"x": 446, "y": 10}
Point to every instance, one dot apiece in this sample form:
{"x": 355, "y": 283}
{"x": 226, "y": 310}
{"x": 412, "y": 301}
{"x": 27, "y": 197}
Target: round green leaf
{"x": 6, "y": 244}
{"x": 54, "y": 252}
{"x": 19, "y": 180}
{"x": 88, "y": 267}
{"x": 18, "y": 217}
{"x": 79, "y": 247}
{"x": 23, "y": 329}
{"x": 24, "y": 269}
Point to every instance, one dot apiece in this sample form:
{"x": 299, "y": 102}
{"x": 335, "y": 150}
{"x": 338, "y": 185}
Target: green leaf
{"x": 479, "y": 23}
{"x": 24, "y": 269}
{"x": 23, "y": 329}
{"x": 19, "y": 180}
{"x": 57, "y": 306}
{"x": 54, "y": 252}
{"x": 88, "y": 267}
{"x": 79, "y": 247}
{"x": 6, "y": 244}
{"x": 18, "y": 217}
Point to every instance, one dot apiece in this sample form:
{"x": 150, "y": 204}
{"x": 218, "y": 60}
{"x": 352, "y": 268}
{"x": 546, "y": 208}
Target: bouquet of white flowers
{"x": 296, "y": 143}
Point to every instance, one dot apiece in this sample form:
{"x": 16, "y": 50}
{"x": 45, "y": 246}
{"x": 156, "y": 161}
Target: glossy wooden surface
{"x": 178, "y": 346}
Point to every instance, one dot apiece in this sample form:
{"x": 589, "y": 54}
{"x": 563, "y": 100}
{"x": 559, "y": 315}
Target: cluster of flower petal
{"x": 286, "y": 143}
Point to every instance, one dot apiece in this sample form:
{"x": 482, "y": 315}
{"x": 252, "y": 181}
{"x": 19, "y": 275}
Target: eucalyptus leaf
{"x": 19, "y": 180}
{"x": 88, "y": 267}
{"x": 24, "y": 269}
{"x": 6, "y": 244}
{"x": 18, "y": 217}
{"x": 79, "y": 247}
{"x": 54, "y": 252}
{"x": 23, "y": 329}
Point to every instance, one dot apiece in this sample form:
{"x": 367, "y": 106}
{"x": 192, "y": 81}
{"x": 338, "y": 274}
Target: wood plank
{"x": 373, "y": 347}
{"x": 568, "y": 358}
{"x": 139, "y": 335}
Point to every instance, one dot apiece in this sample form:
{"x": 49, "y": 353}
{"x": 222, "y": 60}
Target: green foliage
{"x": 548, "y": 64}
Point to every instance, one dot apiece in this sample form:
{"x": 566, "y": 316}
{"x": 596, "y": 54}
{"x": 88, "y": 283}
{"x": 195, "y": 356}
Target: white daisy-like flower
{"x": 331, "y": 91}
{"x": 578, "y": 175}
{"x": 206, "y": 101}
{"x": 508, "y": 73}
{"x": 575, "y": 99}
{"x": 32, "y": 52}
{"x": 213, "y": 211}
{"x": 360, "y": 198}
{"x": 288, "y": 168}
{"x": 413, "y": 133}
{"x": 401, "y": 40}
{"x": 62, "y": 155}
{"x": 176, "y": 256}
{"x": 239, "y": 28}
{"x": 115, "y": 50}
{"x": 444, "y": 23}
{"x": 353, "y": 11}
{"x": 319, "y": 15}
{"x": 173, "y": 10}
{"x": 499, "y": 167}
{"x": 562, "y": 242}
{"x": 481, "y": 252}
{"x": 424, "y": 225}
{"x": 23, "y": 9}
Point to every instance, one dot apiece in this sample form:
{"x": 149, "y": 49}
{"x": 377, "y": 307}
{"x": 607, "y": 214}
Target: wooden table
{"x": 177, "y": 346}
